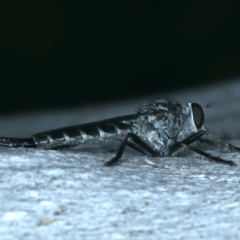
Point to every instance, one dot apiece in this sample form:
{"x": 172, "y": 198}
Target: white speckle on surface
{"x": 13, "y": 216}
{"x": 70, "y": 194}
{"x": 46, "y": 203}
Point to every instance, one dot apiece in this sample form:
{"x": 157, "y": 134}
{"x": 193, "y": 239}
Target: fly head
{"x": 198, "y": 115}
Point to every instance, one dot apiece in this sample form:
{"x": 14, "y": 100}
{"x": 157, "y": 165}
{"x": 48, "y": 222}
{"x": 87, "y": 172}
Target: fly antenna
{"x": 208, "y": 105}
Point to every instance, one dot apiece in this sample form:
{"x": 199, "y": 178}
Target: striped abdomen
{"x": 81, "y": 134}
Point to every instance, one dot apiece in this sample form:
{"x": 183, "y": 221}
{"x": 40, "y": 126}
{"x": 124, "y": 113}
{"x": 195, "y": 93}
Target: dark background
{"x": 61, "y": 53}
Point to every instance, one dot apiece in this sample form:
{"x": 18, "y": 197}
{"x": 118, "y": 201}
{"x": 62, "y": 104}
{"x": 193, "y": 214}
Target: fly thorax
{"x": 152, "y": 128}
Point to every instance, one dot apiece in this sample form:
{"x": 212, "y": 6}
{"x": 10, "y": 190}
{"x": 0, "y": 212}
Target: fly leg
{"x": 215, "y": 141}
{"x": 210, "y": 157}
{"x": 143, "y": 147}
{"x": 212, "y": 141}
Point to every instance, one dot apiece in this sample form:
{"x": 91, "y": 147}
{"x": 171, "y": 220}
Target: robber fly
{"x": 160, "y": 127}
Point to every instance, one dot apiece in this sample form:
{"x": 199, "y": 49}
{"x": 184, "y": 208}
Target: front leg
{"x": 211, "y": 140}
{"x": 138, "y": 141}
{"x": 209, "y": 156}
{"x": 225, "y": 147}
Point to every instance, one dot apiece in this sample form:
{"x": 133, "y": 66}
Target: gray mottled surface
{"x": 70, "y": 195}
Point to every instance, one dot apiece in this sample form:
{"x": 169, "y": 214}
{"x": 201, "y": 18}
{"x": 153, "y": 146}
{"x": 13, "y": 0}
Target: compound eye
{"x": 198, "y": 115}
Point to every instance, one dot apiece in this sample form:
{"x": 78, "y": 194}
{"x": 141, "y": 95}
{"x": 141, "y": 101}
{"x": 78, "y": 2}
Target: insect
{"x": 160, "y": 127}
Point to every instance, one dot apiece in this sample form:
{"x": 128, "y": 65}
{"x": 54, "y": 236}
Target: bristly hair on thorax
{"x": 159, "y": 104}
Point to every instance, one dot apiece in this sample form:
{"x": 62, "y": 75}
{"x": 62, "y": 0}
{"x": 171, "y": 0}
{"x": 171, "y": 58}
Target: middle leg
{"x": 137, "y": 141}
